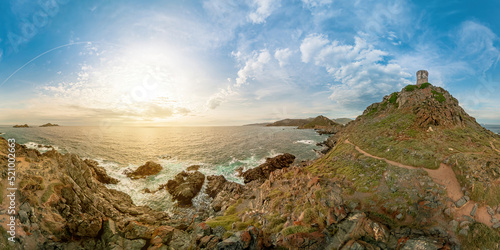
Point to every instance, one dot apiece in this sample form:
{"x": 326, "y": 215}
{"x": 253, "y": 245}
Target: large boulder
{"x": 263, "y": 171}
{"x": 215, "y": 184}
{"x": 185, "y": 186}
{"x": 99, "y": 173}
{"x": 150, "y": 168}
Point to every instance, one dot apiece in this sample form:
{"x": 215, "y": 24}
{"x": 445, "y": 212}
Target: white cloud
{"x": 316, "y": 3}
{"x": 361, "y": 73}
{"x": 283, "y": 56}
{"x": 254, "y": 65}
{"x": 264, "y": 9}
{"x": 475, "y": 44}
{"x": 311, "y": 45}
{"x": 220, "y": 97}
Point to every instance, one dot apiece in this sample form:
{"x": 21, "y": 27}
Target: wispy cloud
{"x": 359, "y": 70}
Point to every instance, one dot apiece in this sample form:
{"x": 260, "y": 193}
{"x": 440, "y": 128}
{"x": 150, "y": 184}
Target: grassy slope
{"x": 393, "y": 136}
{"x": 391, "y": 133}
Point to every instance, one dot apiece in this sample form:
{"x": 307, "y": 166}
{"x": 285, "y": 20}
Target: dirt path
{"x": 493, "y": 147}
{"x": 445, "y": 176}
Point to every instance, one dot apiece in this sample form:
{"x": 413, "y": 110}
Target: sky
{"x": 224, "y": 62}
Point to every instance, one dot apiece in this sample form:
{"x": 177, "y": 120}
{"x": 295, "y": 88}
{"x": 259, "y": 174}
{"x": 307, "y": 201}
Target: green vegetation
{"x": 276, "y": 222}
{"x": 393, "y": 98}
{"x": 381, "y": 218}
{"x": 297, "y": 229}
{"x": 394, "y": 136}
{"x": 275, "y": 193}
{"x": 412, "y": 133}
{"x": 309, "y": 216}
{"x": 32, "y": 183}
{"x": 424, "y": 85}
{"x": 490, "y": 195}
{"x": 344, "y": 160}
{"x": 481, "y": 237}
{"x": 49, "y": 191}
{"x": 224, "y": 221}
{"x": 438, "y": 96}
{"x": 410, "y": 87}
{"x": 230, "y": 217}
{"x": 372, "y": 111}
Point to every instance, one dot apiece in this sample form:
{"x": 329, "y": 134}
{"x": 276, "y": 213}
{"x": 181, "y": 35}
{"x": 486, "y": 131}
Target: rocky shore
{"x": 376, "y": 187}
{"x": 63, "y": 204}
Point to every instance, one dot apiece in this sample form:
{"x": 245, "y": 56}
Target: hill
{"x": 291, "y": 122}
{"x": 320, "y": 122}
{"x": 418, "y": 146}
{"x": 343, "y": 121}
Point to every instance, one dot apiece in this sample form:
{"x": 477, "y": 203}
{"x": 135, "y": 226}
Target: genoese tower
{"x": 422, "y": 77}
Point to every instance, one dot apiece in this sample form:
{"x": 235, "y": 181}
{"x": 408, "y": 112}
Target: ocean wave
{"x": 161, "y": 200}
{"x": 308, "y": 142}
{"x": 40, "y": 147}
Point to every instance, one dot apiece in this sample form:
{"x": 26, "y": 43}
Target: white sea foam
{"x": 308, "y": 142}
{"x": 40, "y": 147}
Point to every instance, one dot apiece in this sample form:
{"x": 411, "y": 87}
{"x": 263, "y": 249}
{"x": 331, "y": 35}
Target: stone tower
{"x": 422, "y": 76}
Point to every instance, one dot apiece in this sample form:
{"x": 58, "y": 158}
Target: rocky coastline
{"x": 64, "y": 204}
{"x": 355, "y": 196}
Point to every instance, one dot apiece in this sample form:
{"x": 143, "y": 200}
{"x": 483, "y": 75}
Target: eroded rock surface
{"x": 150, "y": 168}
{"x": 263, "y": 171}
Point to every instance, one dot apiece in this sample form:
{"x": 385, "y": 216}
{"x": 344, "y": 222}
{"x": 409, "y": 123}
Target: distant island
{"x": 303, "y": 122}
{"x": 49, "y": 125}
{"x": 321, "y": 123}
{"x": 258, "y": 124}
{"x": 21, "y": 126}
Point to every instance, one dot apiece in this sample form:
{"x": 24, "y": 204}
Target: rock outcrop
{"x": 99, "y": 173}
{"x": 21, "y": 126}
{"x": 185, "y": 186}
{"x": 64, "y": 204}
{"x": 263, "y": 171}
{"x": 49, "y": 125}
{"x": 150, "y": 168}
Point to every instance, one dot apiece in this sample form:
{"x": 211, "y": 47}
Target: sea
{"x": 218, "y": 150}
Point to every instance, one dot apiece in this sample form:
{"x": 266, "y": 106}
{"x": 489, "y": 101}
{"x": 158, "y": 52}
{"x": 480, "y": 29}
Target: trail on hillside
{"x": 445, "y": 176}
{"x": 493, "y": 147}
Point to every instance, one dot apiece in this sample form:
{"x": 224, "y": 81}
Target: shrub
{"x": 309, "y": 215}
{"x": 424, "y": 85}
{"x": 410, "y": 87}
{"x": 223, "y": 221}
{"x": 393, "y": 98}
{"x": 296, "y": 229}
{"x": 438, "y": 96}
{"x": 481, "y": 237}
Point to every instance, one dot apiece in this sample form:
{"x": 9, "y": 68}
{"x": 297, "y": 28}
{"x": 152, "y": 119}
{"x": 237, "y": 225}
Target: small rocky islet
{"x": 379, "y": 186}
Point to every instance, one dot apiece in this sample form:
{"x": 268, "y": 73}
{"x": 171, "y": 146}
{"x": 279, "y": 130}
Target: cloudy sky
{"x": 223, "y": 62}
